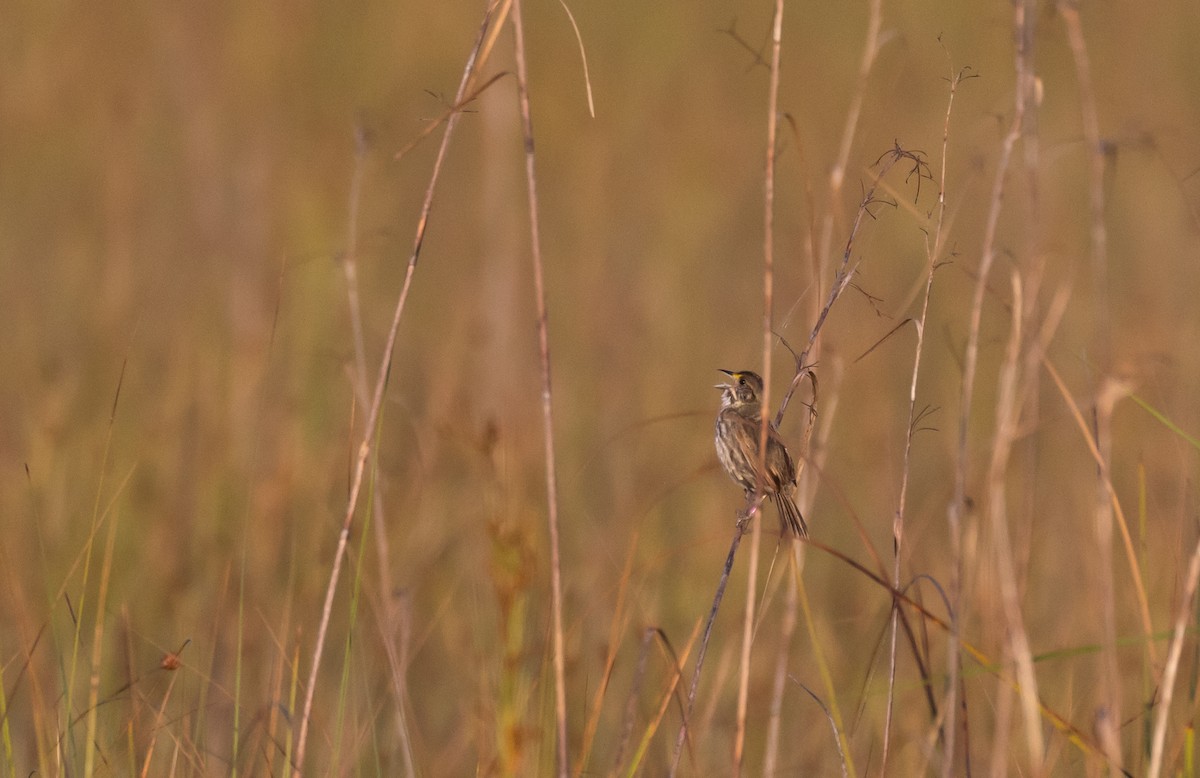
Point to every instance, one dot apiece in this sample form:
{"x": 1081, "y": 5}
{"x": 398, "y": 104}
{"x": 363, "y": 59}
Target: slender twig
{"x": 350, "y": 267}
{"x": 837, "y": 174}
{"x": 1076, "y": 736}
{"x": 768, "y": 341}
{"x": 821, "y": 666}
{"x": 837, "y": 734}
{"x": 933, "y": 250}
{"x": 958, "y": 504}
{"x": 769, "y": 232}
{"x": 635, "y": 689}
{"x": 389, "y": 613}
{"x": 870, "y": 50}
{"x": 459, "y": 106}
{"x": 738, "y": 532}
{"x": 1109, "y": 391}
{"x": 369, "y": 428}
{"x": 1111, "y": 687}
{"x": 844, "y": 274}
{"x": 669, "y": 693}
{"x": 1094, "y": 148}
{"x": 1167, "y": 688}
{"x": 560, "y": 692}
{"x": 1135, "y": 575}
{"x": 815, "y": 454}
{"x": 743, "y": 697}
{"x": 787, "y": 628}
{"x": 587, "y": 79}
{"x": 620, "y": 620}
{"x": 1007, "y": 418}
{"x": 1015, "y": 651}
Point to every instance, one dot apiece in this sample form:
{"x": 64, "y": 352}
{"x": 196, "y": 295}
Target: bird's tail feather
{"x": 790, "y": 519}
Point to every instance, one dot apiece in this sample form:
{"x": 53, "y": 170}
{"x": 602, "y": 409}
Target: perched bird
{"x": 739, "y": 424}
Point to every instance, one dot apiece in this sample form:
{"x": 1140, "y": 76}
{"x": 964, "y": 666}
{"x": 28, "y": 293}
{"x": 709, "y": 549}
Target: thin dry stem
{"x": 1007, "y": 420}
{"x": 639, "y": 675}
{"x": 837, "y": 174}
{"x": 159, "y": 720}
{"x": 587, "y": 79}
{"x": 768, "y": 341}
{"x": 560, "y": 692}
{"x": 1086, "y": 745}
{"x": 620, "y": 621}
{"x": 787, "y": 628}
{"x": 377, "y": 403}
{"x": 1100, "y": 347}
{"x": 933, "y": 250}
{"x": 1135, "y": 574}
{"x": 815, "y": 455}
{"x": 870, "y": 50}
{"x": 752, "y": 508}
{"x": 743, "y": 697}
{"x": 350, "y": 268}
{"x": 1069, "y": 10}
{"x": 1109, "y": 392}
{"x": 668, "y": 695}
{"x": 833, "y": 725}
{"x": 390, "y": 614}
{"x": 844, "y": 274}
{"x": 93, "y": 719}
{"x": 822, "y": 668}
{"x": 1167, "y": 689}
{"x": 958, "y": 504}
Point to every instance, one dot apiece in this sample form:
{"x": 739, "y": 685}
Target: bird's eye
{"x": 741, "y": 382}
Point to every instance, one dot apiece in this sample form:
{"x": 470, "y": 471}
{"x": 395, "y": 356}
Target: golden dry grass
{"x": 180, "y": 404}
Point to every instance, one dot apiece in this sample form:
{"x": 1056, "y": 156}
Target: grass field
{"x": 279, "y": 493}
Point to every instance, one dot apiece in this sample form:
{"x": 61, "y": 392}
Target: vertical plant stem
{"x": 933, "y": 250}
{"x": 743, "y": 699}
{"x": 751, "y": 509}
{"x": 767, "y": 335}
{"x": 93, "y": 719}
{"x": 779, "y": 681}
{"x": 958, "y": 505}
{"x": 391, "y": 615}
{"x": 837, "y": 174}
{"x": 1172, "y": 667}
{"x": 1089, "y": 117}
{"x": 556, "y": 606}
{"x": 381, "y": 381}
{"x": 350, "y": 269}
{"x": 769, "y": 225}
{"x": 1109, "y": 705}
{"x": 1007, "y": 418}
{"x": 822, "y": 668}
{"x": 1094, "y": 148}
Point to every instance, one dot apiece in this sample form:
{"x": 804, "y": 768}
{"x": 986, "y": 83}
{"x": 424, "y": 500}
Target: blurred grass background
{"x": 174, "y": 199}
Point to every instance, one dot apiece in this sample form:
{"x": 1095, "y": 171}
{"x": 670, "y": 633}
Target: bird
{"x": 737, "y": 434}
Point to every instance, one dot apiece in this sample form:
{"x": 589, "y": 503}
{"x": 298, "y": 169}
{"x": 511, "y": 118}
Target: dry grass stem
{"x": 958, "y": 504}
{"x": 303, "y": 427}
{"x": 787, "y": 629}
{"x": 748, "y": 621}
{"x": 377, "y": 402}
{"x": 1174, "y": 652}
{"x": 1007, "y": 419}
{"x": 933, "y": 250}
{"x": 556, "y": 606}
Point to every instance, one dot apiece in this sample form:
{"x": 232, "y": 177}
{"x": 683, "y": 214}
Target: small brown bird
{"x": 739, "y": 423}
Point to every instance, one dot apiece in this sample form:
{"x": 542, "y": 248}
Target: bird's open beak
{"x": 724, "y": 386}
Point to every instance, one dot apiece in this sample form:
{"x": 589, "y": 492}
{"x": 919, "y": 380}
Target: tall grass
{"x": 288, "y": 488}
